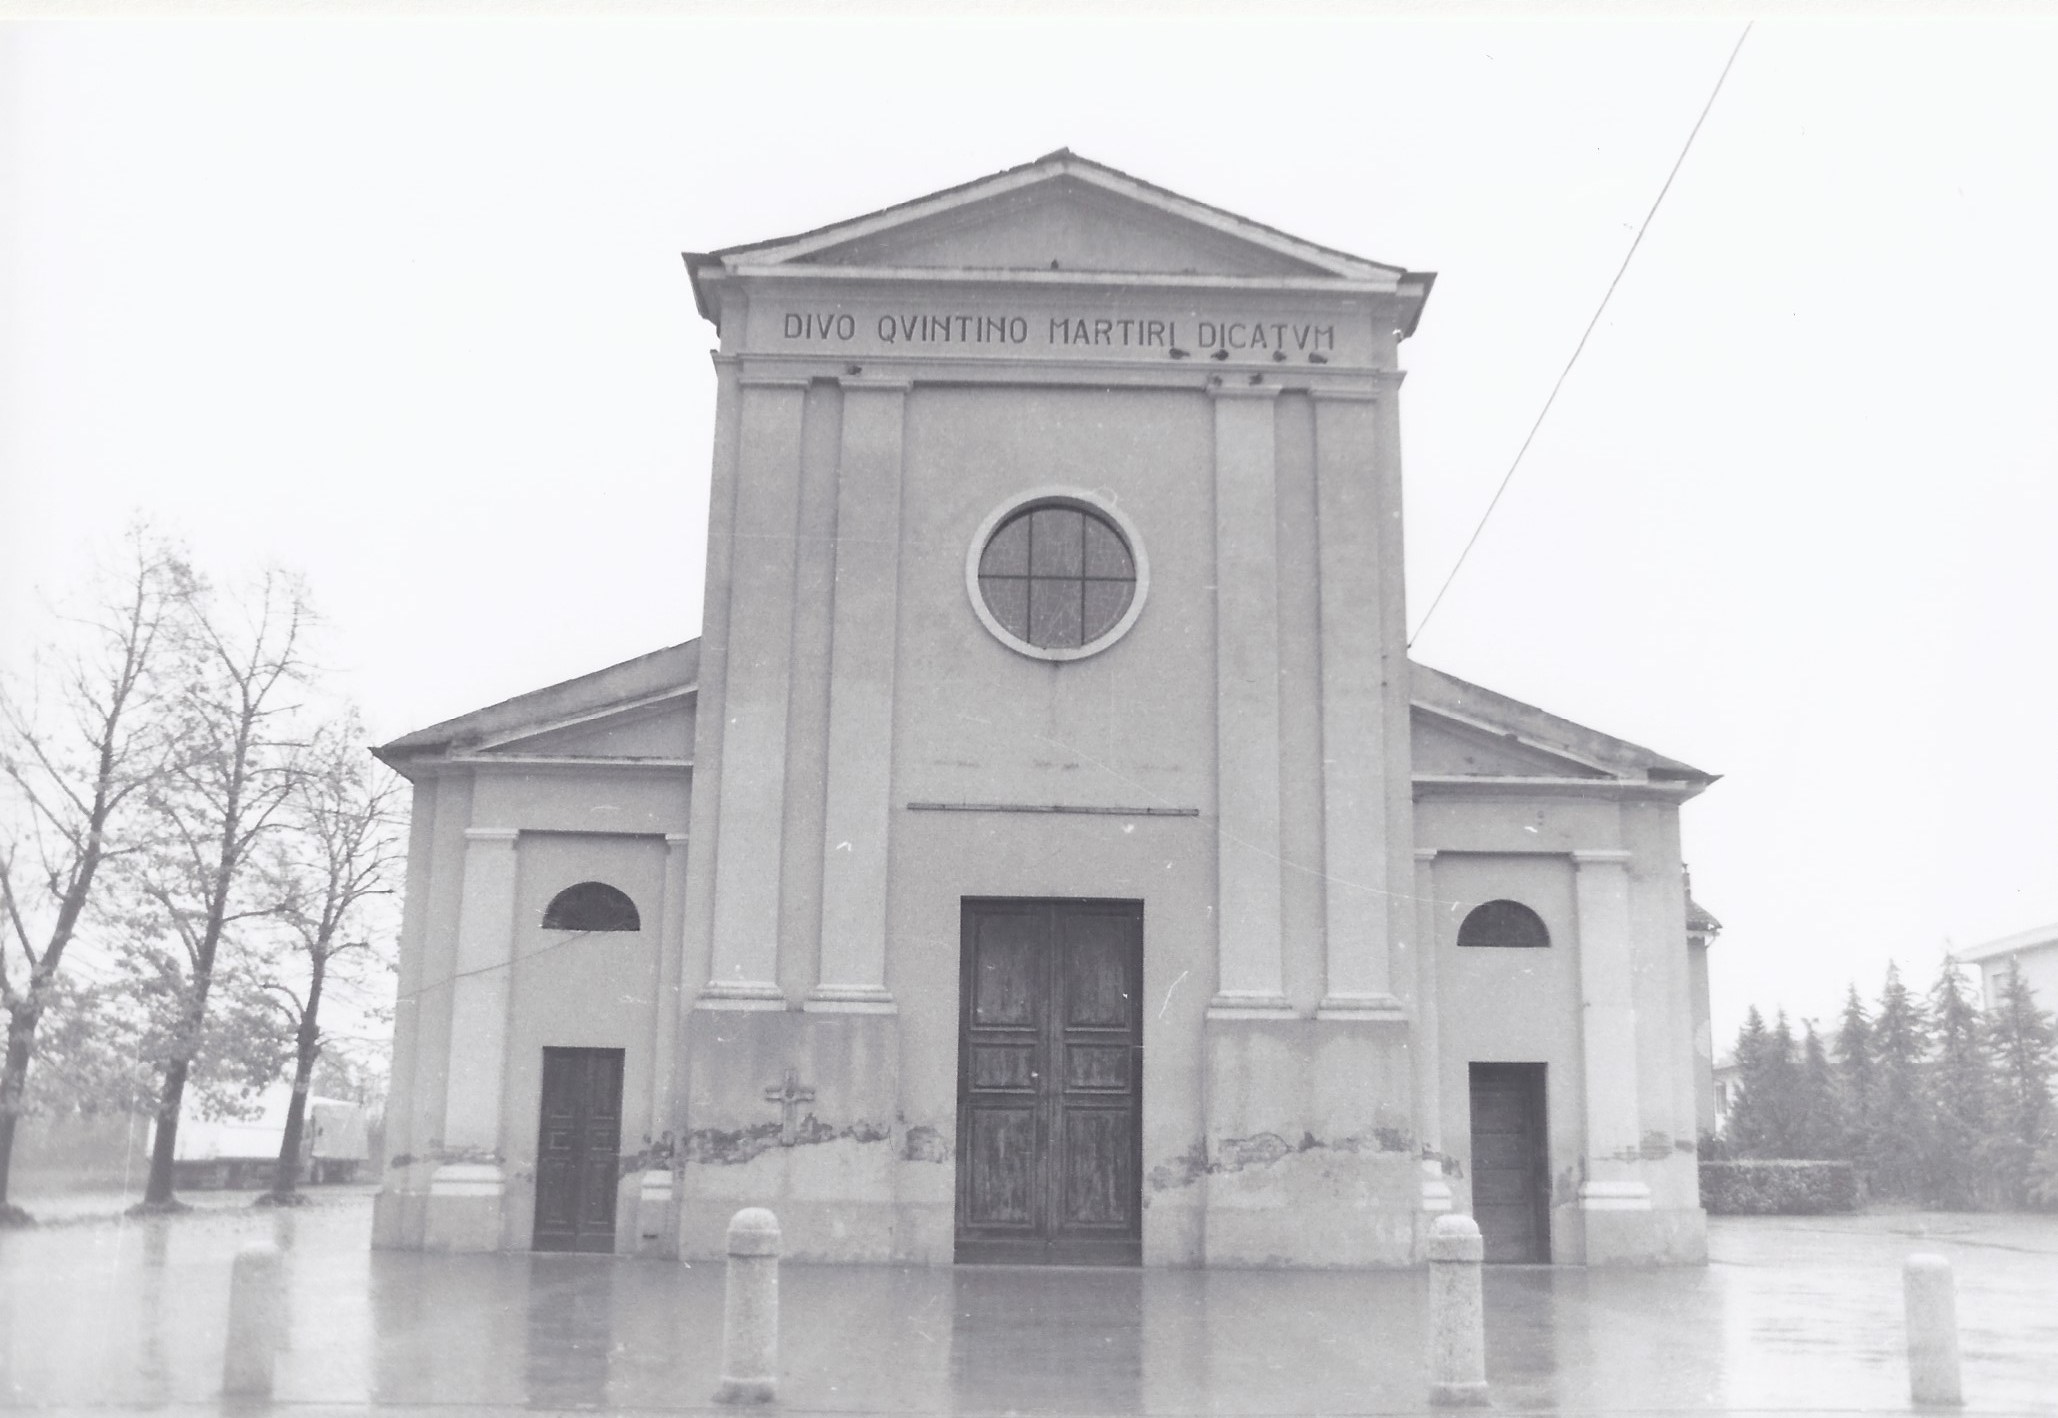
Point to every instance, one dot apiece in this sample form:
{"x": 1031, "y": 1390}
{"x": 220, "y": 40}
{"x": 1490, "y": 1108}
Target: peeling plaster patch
{"x": 1685, "y": 1144}
{"x": 925, "y": 1144}
{"x": 462, "y": 1156}
{"x": 733, "y": 1147}
{"x": 1182, "y": 1171}
{"x": 1657, "y": 1146}
{"x": 1264, "y": 1149}
{"x": 1260, "y": 1150}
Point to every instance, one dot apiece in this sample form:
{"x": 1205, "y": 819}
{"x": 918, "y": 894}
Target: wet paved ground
{"x": 1795, "y": 1315}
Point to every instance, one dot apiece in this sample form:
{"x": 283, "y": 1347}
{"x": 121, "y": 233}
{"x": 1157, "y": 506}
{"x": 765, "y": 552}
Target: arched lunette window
{"x": 591, "y": 906}
{"x": 1505, "y": 924}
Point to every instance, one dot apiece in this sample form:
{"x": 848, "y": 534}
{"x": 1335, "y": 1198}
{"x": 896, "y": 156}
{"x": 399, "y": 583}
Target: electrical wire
{"x": 1577, "y": 349}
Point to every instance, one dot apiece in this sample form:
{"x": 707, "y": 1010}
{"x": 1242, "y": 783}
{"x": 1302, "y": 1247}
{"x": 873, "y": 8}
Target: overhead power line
{"x": 1599, "y": 310}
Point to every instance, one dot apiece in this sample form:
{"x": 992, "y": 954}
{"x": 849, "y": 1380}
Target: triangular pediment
{"x": 661, "y": 730}
{"x": 1461, "y": 730}
{"x": 1061, "y": 212}
{"x": 1063, "y": 224}
{"x": 1446, "y": 747}
{"x": 641, "y": 710}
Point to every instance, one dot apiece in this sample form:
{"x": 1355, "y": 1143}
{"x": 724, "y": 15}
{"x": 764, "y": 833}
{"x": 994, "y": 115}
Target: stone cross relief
{"x": 789, "y": 1095}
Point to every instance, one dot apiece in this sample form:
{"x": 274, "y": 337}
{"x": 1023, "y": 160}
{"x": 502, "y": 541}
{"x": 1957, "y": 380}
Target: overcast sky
{"x": 400, "y": 304}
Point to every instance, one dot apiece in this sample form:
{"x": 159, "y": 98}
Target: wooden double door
{"x": 1511, "y": 1179}
{"x": 578, "y": 1150}
{"x": 1050, "y": 1082}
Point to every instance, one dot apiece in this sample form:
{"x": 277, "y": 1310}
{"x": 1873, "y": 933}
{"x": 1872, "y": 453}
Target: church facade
{"x": 1048, "y": 852}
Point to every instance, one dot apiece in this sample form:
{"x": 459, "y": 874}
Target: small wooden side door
{"x": 1050, "y": 1083}
{"x": 578, "y": 1150}
{"x": 1510, "y": 1162}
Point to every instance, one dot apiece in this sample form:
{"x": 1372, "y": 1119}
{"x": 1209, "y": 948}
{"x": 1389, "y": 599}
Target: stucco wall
{"x": 1512, "y": 1006}
{"x": 1524, "y": 1006}
{"x": 578, "y": 989}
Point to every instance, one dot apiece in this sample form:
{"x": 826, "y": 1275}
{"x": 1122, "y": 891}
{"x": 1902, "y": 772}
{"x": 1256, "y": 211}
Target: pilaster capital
{"x": 1340, "y": 395}
{"x": 505, "y": 835}
{"x": 1601, "y": 857}
{"x": 1425, "y": 855}
{"x": 677, "y": 839}
{"x": 757, "y": 379}
{"x": 861, "y": 383}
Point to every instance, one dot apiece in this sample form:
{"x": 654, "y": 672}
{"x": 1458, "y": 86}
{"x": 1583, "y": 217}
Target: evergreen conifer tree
{"x": 1781, "y": 1091}
{"x": 1750, "y": 1124}
{"x": 1960, "y": 1134}
{"x": 1819, "y": 1130}
{"x": 1900, "y": 1126}
{"x": 1857, "y": 1083}
{"x": 2022, "y": 1041}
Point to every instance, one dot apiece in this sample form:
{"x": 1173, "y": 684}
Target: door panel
{"x": 578, "y": 1150}
{"x": 1002, "y": 1154}
{"x": 1049, "y": 1080}
{"x": 1510, "y": 1161}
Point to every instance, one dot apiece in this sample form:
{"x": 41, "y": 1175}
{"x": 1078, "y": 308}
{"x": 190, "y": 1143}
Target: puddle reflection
{"x": 1008, "y": 1322}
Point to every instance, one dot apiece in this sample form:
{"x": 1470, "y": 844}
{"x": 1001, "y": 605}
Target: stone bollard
{"x": 1932, "y": 1302}
{"x": 1457, "y": 1317}
{"x": 253, "y": 1339}
{"x": 750, "y": 1309}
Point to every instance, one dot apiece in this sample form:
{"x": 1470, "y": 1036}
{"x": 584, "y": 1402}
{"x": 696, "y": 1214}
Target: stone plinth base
{"x": 829, "y": 1163}
{"x": 646, "y": 1215}
{"x": 1664, "y": 1236}
{"x": 1310, "y": 1157}
{"x": 464, "y": 1207}
{"x": 813, "y": 1231}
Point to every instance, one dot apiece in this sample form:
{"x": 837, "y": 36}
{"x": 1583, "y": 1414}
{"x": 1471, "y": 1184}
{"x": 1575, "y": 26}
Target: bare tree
{"x": 196, "y": 888}
{"x": 338, "y": 852}
{"x": 80, "y": 747}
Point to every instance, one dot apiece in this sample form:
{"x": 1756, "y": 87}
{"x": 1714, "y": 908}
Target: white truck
{"x": 241, "y": 1152}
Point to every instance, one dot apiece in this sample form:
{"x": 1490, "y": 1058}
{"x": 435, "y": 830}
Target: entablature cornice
{"x": 896, "y": 371}
{"x": 535, "y": 762}
{"x": 770, "y": 277}
{"x": 1439, "y": 785}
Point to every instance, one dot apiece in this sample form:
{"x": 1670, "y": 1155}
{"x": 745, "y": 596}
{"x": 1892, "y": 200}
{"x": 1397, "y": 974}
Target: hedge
{"x": 1768, "y": 1187}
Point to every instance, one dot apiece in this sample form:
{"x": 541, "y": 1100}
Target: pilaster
{"x": 744, "y": 965}
{"x": 1251, "y": 981}
{"x": 671, "y": 946}
{"x": 860, "y": 757}
{"x": 467, "y": 1191}
{"x": 1428, "y": 1057}
{"x": 1355, "y": 781}
{"x": 1608, "y": 1035}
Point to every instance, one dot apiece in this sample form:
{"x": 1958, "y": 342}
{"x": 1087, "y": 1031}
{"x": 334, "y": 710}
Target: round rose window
{"x": 1057, "y": 577}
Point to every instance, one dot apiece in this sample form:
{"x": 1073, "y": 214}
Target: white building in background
{"x": 2034, "y": 952}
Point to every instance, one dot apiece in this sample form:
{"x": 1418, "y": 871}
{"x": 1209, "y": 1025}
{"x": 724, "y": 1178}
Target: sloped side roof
{"x": 676, "y": 667}
{"x": 1438, "y": 692}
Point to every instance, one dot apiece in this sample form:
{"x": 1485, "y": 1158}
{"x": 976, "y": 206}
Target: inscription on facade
{"x": 927, "y": 330}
